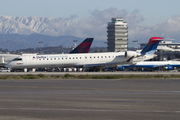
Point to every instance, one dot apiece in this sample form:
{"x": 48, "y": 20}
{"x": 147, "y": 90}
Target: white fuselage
{"x": 158, "y": 63}
{"x": 74, "y": 60}
{"x": 68, "y": 60}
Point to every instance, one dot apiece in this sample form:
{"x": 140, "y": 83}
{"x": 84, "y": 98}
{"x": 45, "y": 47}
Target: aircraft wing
{"x": 151, "y": 66}
{"x": 161, "y": 65}
{"x": 101, "y": 65}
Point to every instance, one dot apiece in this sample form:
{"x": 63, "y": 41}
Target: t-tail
{"x": 147, "y": 53}
{"x": 83, "y": 47}
{"x": 150, "y": 48}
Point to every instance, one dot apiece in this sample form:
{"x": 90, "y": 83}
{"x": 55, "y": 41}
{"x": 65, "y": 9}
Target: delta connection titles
{"x": 45, "y": 57}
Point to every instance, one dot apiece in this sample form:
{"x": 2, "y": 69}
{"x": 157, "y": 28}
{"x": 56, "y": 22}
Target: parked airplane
{"x": 81, "y": 48}
{"x": 168, "y": 65}
{"x": 86, "y": 59}
{"x": 151, "y": 65}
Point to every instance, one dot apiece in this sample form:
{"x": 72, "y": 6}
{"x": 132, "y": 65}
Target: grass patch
{"x": 41, "y": 75}
{"x": 69, "y": 76}
{"x": 30, "y": 76}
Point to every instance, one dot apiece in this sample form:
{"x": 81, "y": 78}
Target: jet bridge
{"x": 2, "y": 61}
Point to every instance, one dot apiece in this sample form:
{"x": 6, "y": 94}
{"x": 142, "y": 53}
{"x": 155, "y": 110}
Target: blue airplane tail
{"x": 83, "y": 47}
{"x": 150, "y": 48}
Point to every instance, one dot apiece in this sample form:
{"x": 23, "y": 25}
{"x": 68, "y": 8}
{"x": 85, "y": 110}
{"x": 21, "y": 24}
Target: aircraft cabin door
{"x": 27, "y": 60}
{"x": 2, "y": 61}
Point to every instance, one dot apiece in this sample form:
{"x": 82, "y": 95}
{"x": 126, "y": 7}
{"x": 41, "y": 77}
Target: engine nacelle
{"x": 129, "y": 54}
{"x": 168, "y": 67}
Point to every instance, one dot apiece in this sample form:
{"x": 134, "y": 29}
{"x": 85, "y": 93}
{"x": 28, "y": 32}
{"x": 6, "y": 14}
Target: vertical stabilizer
{"x": 83, "y": 47}
{"x": 150, "y": 48}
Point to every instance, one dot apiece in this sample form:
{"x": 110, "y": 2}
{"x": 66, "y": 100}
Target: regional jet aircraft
{"x": 85, "y": 59}
{"x": 81, "y": 48}
{"x": 168, "y": 65}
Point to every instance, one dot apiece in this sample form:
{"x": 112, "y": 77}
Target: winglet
{"x": 83, "y": 47}
{"x": 151, "y": 46}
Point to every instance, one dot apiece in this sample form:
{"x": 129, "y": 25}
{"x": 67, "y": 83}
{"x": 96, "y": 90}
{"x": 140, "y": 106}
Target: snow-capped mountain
{"x": 94, "y": 26}
{"x": 24, "y": 32}
{"x": 29, "y": 25}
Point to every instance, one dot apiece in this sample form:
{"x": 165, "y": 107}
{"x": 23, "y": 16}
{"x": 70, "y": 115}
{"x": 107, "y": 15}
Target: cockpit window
{"x": 17, "y": 59}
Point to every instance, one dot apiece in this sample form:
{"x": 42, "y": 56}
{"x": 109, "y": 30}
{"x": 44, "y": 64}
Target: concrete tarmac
{"x": 149, "y": 99}
{"x": 94, "y": 73}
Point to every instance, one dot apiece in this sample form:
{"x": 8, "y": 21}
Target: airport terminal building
{"x": 166, "y": 50}
{"x": 165, "y": 45}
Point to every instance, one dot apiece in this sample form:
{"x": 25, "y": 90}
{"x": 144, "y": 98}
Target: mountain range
{"x": 16, "y": 41}
{"x": 29, "y": 25}
{"x": 25, "y": 32}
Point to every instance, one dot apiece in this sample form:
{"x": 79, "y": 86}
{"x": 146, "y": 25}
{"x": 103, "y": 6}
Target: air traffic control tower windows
{"x": 117, "y": 33}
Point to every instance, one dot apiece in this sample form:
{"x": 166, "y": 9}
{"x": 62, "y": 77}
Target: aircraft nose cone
{"x": 8, "y": 65}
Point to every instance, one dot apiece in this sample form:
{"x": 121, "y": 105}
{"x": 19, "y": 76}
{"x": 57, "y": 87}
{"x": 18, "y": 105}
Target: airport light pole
{"x": 134, "y": 42}
{"x": 107, "y": 45}
{"x": 40, "y": 42}
{"x": 74, "y": 44}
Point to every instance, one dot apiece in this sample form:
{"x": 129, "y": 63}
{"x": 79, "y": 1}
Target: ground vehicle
{"x": 5, "y": 70}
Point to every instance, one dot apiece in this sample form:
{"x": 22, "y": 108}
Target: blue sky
{"x": 89, "y": 18}
{"x": 153, "y": 11}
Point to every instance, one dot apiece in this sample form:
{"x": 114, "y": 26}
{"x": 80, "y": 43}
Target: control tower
{"x": 117, "y": 35}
